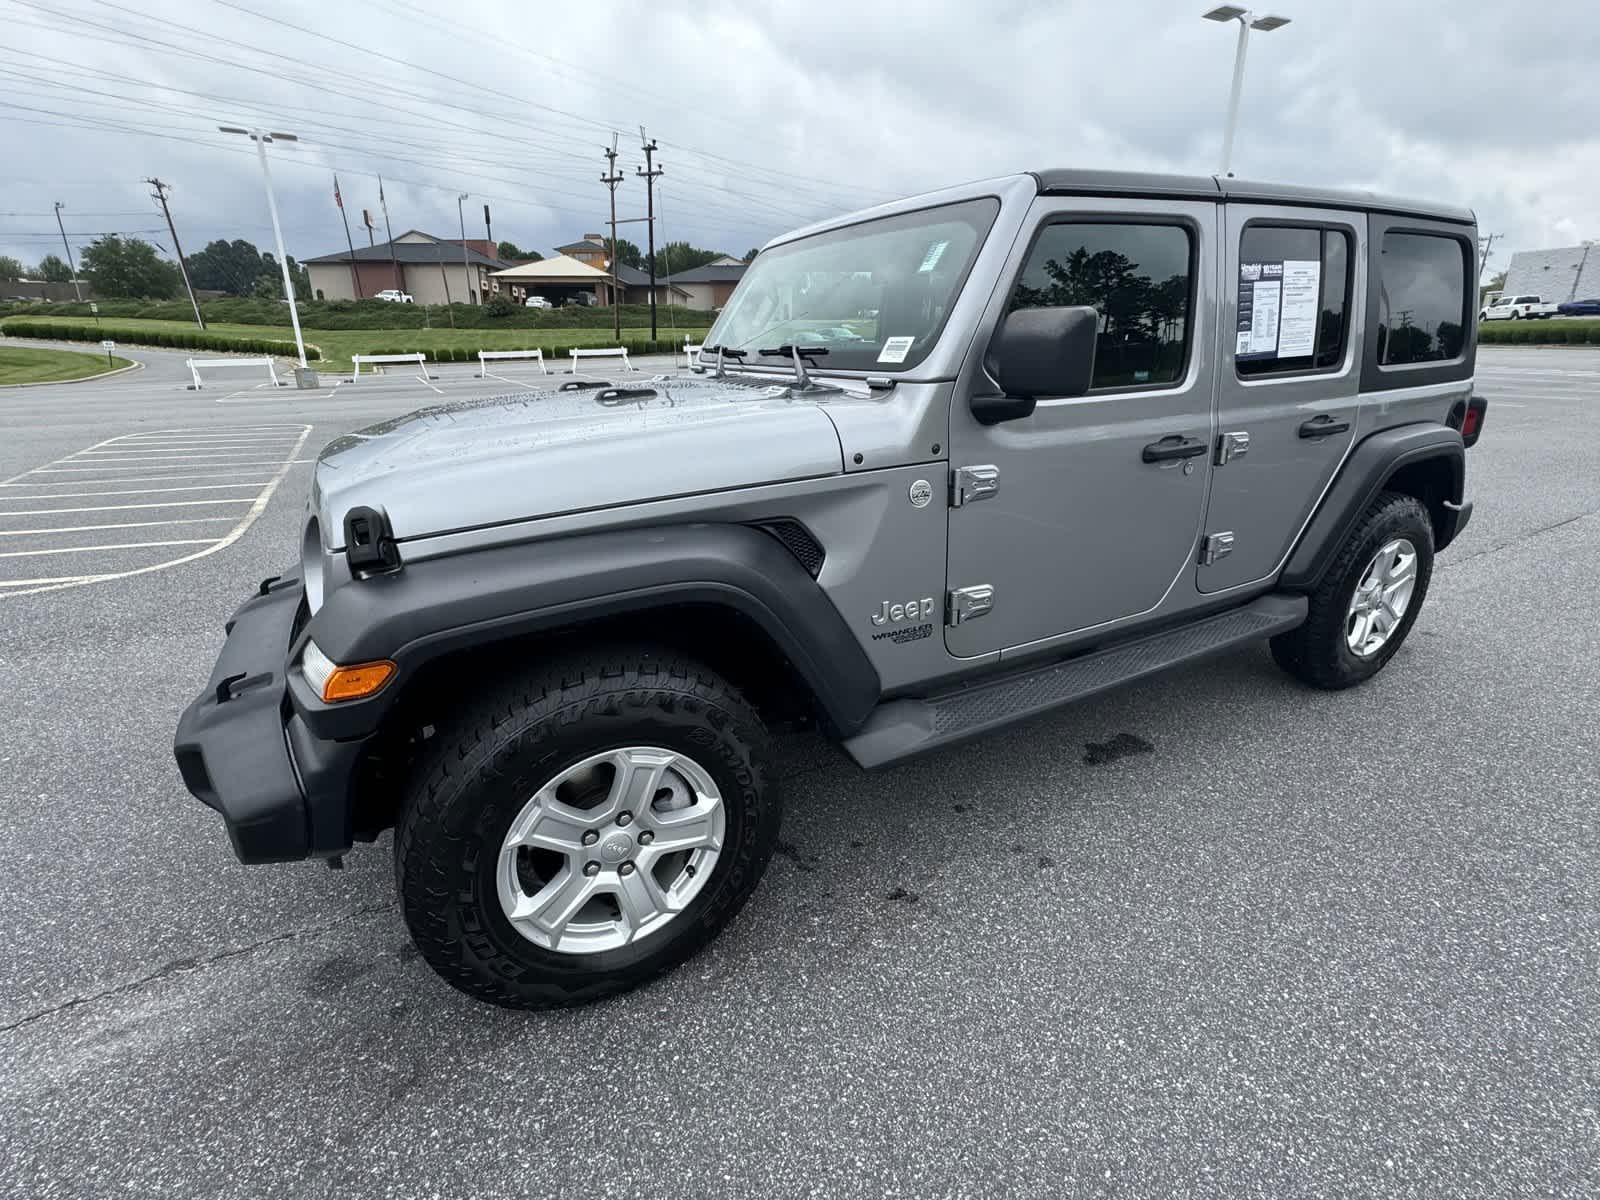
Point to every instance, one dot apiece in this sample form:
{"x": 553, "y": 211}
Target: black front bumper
{"x": 244, "y": 751}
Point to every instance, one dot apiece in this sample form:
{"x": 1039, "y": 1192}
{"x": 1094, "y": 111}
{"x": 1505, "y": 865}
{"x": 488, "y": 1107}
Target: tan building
{"x": 431, "y": 270}
{"x": 709, "y": 287}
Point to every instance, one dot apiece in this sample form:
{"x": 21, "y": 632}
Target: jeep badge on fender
{"x": 911, "y": 610}
{"x": 556, "y": 684}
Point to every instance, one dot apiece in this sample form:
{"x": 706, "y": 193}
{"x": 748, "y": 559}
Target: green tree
{"x": 681, "y": 256}
{"x": 10, "y": 268}
{"x": 629, "y": 255}
{"x": 119, "y": 267}
{"x": 269, "y": 283}
{"x": 53, "y": 270}
{"x": 511, "y": 252}
{"x": 750, "y": 254}
{"x": 230, "y": 267}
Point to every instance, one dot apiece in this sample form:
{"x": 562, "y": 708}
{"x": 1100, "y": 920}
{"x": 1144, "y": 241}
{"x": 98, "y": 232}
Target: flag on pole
{"x": 337, "y": 199}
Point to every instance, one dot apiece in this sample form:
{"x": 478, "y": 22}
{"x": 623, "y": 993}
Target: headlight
{"x": 334, "y": 683}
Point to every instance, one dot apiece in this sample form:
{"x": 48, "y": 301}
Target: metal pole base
{"x": 306, "y": 377}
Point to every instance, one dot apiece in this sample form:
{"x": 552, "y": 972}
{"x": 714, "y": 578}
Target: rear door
{"x": 1288, "y": 381}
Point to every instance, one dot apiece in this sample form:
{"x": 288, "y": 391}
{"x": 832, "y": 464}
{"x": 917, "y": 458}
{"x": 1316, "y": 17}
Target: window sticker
{"x": 1278, "y": 305}
{"x": 1260, "y": 296}
{"x": 895, "y": 349}
{"x": 1302, "y": 296}
{"x": 930, "y": 260}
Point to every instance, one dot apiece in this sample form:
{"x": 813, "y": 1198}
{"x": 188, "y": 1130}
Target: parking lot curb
{"x": 132, "y": 366}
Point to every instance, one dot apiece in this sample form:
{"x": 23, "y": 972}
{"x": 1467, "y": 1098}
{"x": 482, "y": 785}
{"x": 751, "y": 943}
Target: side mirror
{"x": 1038, "y": 352}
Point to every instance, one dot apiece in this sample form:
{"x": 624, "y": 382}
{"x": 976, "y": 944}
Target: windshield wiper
{"x": 799, "y": 354}
{"x": 721, "y": 352}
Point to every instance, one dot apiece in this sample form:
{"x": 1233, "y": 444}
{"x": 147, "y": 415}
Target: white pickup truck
{"x": 1516, "y": 308}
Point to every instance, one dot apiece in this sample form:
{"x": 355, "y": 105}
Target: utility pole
{"x": 366, "y": 219}
{"x": 649, "y": 174}
{"x": 611, "y": 179}
{"x": 355, "y": 275}
{"x": 1485, "y": 250}
{"x": 160, "y": 194}
{"x": 76, "y": 290}
{"x": 466, "y": 265}
{"x": 488, "y": 231}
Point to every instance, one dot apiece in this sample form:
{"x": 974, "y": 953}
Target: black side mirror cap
{"x": 1039, "y": 352}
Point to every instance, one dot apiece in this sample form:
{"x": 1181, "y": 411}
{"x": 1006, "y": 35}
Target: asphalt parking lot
{"x": 1210, "y": 935}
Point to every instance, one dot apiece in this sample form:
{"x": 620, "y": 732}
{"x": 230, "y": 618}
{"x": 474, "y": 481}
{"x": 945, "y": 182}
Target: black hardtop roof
{"x": 1067, "y": 181}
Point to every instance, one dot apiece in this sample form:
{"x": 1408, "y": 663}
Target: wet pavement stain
{"x": 901, "y": 894}
{"x": 1121, "y": 746}
{"x": 802, "y": 862}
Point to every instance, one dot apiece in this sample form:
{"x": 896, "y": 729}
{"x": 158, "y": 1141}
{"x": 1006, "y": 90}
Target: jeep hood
{"x": 544, "y": 452}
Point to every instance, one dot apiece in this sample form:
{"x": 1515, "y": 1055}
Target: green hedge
{"x": 372, "y": 314}
{"x": 1549, "y": 332}
{"x": 180, "y": 339}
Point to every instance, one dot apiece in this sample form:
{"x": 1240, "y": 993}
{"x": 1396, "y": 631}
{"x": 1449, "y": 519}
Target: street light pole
{"x": 261, "y": 138}
{"x": 65, "y": 245}
{"x": 1247, "y": 21}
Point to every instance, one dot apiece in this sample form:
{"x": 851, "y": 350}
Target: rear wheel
{"x": 579, "y": 833}
{"x": 1368, "y": 599}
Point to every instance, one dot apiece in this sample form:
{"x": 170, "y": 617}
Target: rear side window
{"x": 1422, "y": 289}
{"x": 1137, "y": 277}
{"x": 1294, "y": 299}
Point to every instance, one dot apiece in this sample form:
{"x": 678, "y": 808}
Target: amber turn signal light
{"x": 361, "y": 680}
{"x": 333, "y": 682}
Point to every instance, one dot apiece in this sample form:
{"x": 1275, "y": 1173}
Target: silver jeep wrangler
{"x": 943, "y": 465}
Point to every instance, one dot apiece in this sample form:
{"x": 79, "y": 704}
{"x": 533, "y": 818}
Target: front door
{"x": 1095, "y": 505}
{"x": 1288, "y": 380}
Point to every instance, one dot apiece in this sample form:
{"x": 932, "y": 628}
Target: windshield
{"x": 874, "y": 296}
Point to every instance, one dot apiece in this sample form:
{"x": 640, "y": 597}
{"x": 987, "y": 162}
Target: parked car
{"x": 1517, "y": 308}
{"x": 1018, "y": 486}
{"x": 1580, "y": 308}
{"x": 394, "y": 296}
{"x": 537, "y": 302}
{"x": 581, "y": 299}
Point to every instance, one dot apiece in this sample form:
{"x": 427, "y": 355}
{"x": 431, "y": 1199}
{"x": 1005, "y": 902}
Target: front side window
{"x": 1137, "y": 277}
{"x": 1422, "y": 289}
{"x": 1293, "y": 303}
{"x": 871, "y": 297}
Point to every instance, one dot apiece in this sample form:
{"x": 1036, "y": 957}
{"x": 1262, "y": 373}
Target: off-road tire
{"x": 489, "y": 759}
{"x": 1317, "y": 652}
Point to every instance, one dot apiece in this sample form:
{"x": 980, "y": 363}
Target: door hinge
{"x": 1216, "y": 546}
{"x": 973, "y": 483}
{"x": 1231, "y": 446}
{"x": 968, "y": 603}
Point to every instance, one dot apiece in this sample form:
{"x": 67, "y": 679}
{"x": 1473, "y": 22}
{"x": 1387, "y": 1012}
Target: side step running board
{"x": 901, "y": 728}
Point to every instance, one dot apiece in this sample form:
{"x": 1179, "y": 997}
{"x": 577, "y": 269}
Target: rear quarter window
{"x": 1422, "y": 290}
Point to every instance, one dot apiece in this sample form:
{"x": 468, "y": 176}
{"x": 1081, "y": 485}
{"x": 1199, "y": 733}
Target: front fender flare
{"x": 435, "y": 607}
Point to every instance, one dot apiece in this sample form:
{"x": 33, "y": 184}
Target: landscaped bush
{"x": 1540, "y": 333}
{"x": 177, "y": 339}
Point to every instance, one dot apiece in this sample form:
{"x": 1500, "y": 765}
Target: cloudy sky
{"x": 768, "y": 115}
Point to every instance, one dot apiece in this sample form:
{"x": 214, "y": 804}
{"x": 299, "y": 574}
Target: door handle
{"x": 1173, "y": 446}
{"x": 1322, "y": 425}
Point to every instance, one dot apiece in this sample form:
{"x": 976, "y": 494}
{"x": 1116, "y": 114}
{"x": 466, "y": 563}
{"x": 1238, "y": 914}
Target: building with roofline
{"x": 1565, "y": 273}
{"x": 428, "y": 268}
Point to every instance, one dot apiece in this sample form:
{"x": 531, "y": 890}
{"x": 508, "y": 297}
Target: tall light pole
{"x": 466, "y": 266}
{"x": 1247, "y": 21}
{"x": 261, "y": 138}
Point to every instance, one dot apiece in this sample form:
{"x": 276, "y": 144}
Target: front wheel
{"x": 1368, "y": 599}
{"x": 585, "y": 829}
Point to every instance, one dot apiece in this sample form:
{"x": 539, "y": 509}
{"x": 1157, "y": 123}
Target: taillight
{"x": 1469, "y": 424}
{"x": 1471, "y": 419}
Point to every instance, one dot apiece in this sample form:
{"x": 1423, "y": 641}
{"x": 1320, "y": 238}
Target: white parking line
{"x": 115, "y": 525}
{"x": 203, "y": 487}
{"x": 87, "y": 549}
{"x": 34, "y": 512}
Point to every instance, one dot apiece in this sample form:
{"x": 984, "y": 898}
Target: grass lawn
{"x": 23, "y": 364}
{"x": 337, "y": 345}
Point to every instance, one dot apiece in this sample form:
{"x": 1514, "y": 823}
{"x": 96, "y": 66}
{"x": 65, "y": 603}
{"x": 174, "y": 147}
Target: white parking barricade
{"x": 691, "y": 352}
{"x": 419, "y": 358}
{"x": 485, "y": 355}
{"x": 613, "y": 352}
{"x": 195, "y": 364}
